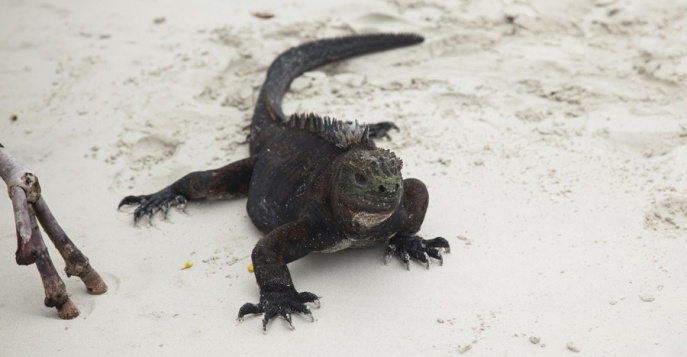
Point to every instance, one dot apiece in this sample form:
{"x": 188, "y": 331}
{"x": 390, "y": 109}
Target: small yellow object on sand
{"x": 250, "y": 267}
{"x": 187, "y": 265}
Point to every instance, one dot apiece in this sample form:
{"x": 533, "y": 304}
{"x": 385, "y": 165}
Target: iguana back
{"x": 268, "y": 117}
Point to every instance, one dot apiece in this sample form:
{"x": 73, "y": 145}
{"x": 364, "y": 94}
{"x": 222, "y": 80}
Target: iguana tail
{"x": 297, "y": 60}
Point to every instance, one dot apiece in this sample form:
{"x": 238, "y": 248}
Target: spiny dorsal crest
{"x": 341, "y": 134}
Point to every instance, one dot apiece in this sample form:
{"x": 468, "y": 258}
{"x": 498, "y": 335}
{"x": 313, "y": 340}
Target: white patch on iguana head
{"x": 369, "y": 220}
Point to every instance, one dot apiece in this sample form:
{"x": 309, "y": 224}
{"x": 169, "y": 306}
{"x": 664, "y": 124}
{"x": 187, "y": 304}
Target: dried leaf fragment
{"x": 263, "y": 15}
{"x": 572, "y": 347}
{"x": 647, "y": 297}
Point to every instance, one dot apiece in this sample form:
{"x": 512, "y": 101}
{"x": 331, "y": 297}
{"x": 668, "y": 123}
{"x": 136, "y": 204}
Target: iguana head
{"x": 368, "y": 186}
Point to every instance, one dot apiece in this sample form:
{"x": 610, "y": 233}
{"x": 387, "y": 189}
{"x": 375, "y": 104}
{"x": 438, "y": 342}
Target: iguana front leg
{"x": 229, "y": 181}
{"x": 405, "y": 243}
{"x": 278, "y": 296}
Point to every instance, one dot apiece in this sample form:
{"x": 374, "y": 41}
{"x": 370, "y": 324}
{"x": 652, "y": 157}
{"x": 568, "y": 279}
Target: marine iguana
{"x": 314, "y": 184}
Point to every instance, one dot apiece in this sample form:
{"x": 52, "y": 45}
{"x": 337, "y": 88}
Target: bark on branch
{"x": 29, "y": 209}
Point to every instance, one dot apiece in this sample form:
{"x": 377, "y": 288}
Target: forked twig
{"x": 29, "y": 209}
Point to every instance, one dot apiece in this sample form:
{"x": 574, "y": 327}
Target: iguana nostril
{"x": 382, "y": 189}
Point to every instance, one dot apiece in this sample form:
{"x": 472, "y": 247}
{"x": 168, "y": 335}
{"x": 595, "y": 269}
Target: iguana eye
{"x": 360, "y": 179}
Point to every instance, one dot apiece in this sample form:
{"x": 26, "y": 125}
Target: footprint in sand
{"x": 85, "y": 302}
{"x": 151, "y": 150}
{"x": 668, "y": 216}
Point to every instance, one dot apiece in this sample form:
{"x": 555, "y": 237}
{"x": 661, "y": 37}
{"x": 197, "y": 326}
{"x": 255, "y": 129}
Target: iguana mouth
{"x": 375, "y": 203}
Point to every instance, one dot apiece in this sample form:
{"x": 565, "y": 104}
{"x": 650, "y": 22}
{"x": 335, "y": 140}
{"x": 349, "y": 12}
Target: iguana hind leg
{"x": 381, "y": 130}
{"x": 230, "y": 181}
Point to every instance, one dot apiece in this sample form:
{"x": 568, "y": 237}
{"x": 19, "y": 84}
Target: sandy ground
{"x": 552, "y": 136}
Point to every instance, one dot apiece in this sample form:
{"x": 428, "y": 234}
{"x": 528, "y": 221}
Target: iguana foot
{"x": 417, "y": 248}
{"x": 381, "y": 130}
{"x": 151, "y": 204}
{"x": 280, "y": 303}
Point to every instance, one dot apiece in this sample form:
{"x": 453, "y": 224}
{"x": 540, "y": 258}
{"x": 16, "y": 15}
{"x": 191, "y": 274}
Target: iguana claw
{"x": 151, "y": 204}
{"x": 417, "y": 248}
{"x": 381, "y": 130}
{"x": 280, "y": 304}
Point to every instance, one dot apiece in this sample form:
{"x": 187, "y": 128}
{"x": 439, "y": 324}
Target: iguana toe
{"x": 148, "y": 205}
{"x": 280, "y": 304}
{"x": 382, "y": 129}
{"x": 416, "y": 248}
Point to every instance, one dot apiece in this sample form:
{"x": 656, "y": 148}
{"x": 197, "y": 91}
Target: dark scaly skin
{"x": 309, "y": 191}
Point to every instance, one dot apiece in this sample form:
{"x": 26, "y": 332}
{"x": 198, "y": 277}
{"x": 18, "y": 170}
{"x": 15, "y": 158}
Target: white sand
{"x": 554, "y": 148}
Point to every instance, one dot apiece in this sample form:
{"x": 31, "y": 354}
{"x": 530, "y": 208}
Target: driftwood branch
{"x": 29, "y": 209}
